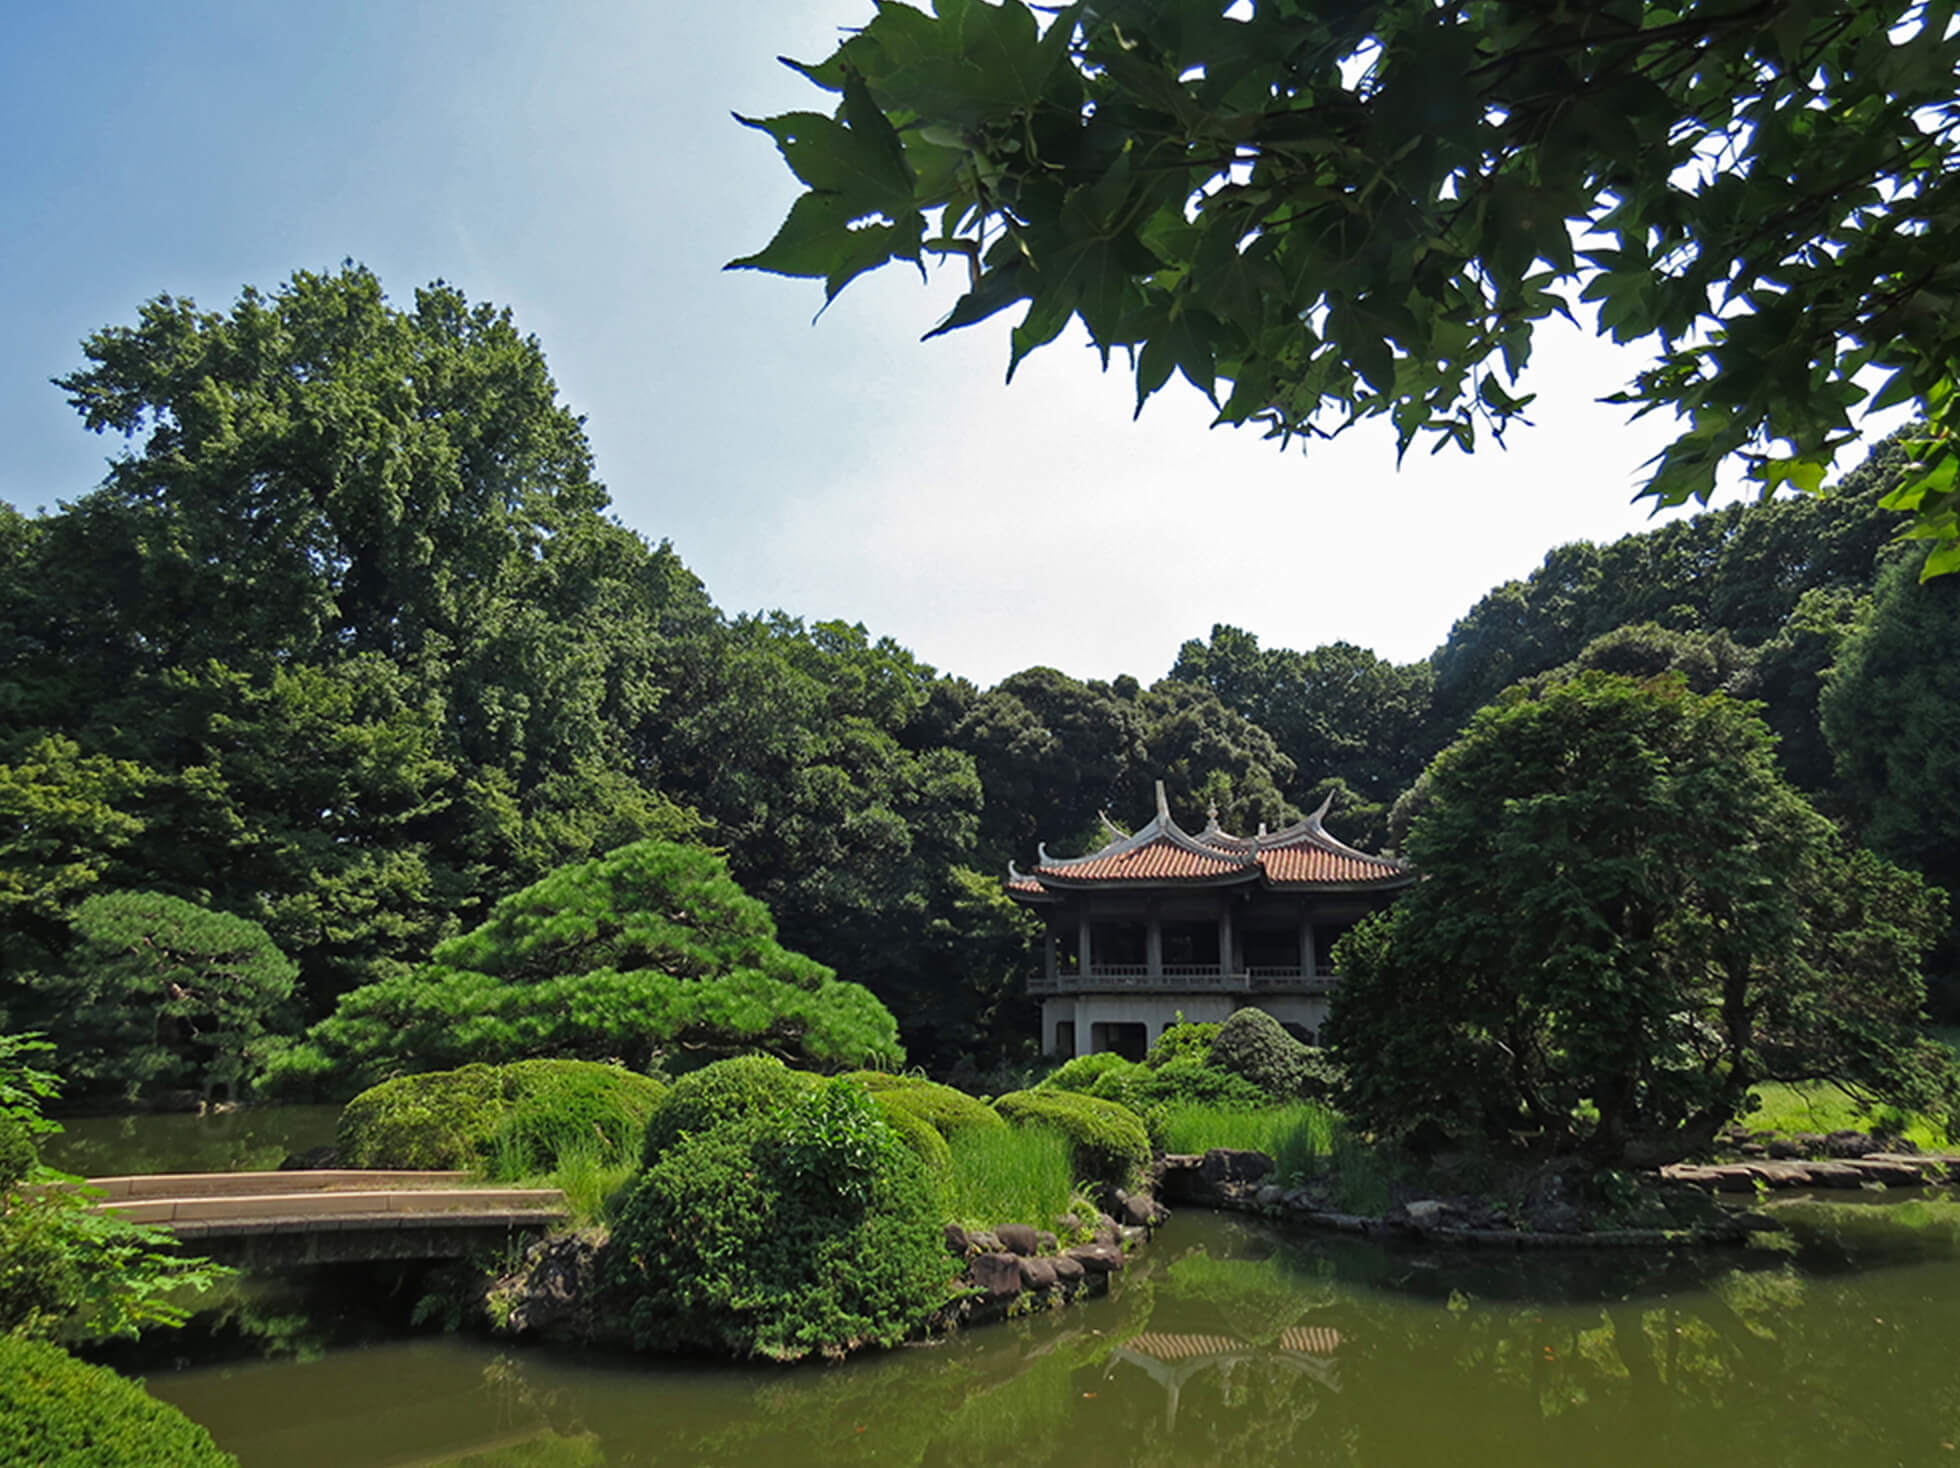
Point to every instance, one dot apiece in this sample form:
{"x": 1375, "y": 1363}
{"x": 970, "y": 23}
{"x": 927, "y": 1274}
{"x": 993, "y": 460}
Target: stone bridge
{"x": 272, "y": 1220}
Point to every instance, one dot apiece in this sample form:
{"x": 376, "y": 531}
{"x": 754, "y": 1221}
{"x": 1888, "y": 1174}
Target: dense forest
{"x": 347, "y": 646}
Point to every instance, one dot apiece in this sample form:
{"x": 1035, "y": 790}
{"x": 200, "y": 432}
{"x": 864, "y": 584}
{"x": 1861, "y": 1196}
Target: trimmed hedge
{"x": 947, "y": 1109}
{"x": 512, "y": 1119}
{"x": 925, "y": 1139}
{"x": 798, "y": 1224}
{"x": 729, "y": 1090}
{"x": 1108, "y": 1140}
{"x": 57, "y": 1412}
{"x": 1256, "y": 1046}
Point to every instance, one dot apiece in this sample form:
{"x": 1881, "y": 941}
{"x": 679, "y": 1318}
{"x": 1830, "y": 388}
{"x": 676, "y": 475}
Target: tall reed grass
{"x": 1008, "y": 1175}
{"x": 1304, "y": 1140}
{"x": 1299, "y": 1137}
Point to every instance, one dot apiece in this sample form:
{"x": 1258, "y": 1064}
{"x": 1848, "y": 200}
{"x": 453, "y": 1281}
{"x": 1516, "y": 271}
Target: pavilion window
{"x": 1190, "y": 945}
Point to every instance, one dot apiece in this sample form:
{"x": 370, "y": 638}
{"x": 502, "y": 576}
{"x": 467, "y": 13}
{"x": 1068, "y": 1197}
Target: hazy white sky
{"x": 578, "y": 162}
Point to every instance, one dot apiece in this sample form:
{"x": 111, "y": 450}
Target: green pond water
{"x": 249, "y": 1139}
{"x": 1228, "y": 1341}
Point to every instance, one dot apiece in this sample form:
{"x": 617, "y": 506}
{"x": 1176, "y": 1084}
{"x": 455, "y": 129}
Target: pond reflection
{"x": 1227, "y": 1342}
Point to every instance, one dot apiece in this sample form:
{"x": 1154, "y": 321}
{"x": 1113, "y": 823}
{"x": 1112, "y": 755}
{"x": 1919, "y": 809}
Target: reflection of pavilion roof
{"x": 1302, "y": 857}
{"x": 1172, "y": 1360}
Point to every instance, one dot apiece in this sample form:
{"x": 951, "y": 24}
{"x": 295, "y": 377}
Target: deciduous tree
{"x": 1323, "y": 214}
{"x": 1627, "y": 919}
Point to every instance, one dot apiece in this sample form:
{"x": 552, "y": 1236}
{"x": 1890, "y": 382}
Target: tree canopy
{"x": 633, "y": 956}
{"x": 1627, "y": 920}
{"x": 1323, "y": 214}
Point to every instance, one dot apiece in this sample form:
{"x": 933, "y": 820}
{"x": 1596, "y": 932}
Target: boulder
{"x": 1234, "y": 1165}
{"x": 1269, "y": 1195}
{"x": 957, "y": 1243}
{"x": 1427, "y": 1213}
{"x": 996, "y": 1275}
{"x": 1045, "y": 1242}
{"x": 1849, "y": 1144}
{"x": 553, "y": 1289}
{"x": 1038, "y": 1274}
{"x": 1140, "y": 1210}
{"x": 1018, "y": 1238}
{"x": 1097, "y": 1258}
{"x": 1067, "y": 1271}
{"x": 982, "y": 1241}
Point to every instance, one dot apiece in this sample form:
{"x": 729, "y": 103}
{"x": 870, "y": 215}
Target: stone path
{"x": 1883, "y": 1169}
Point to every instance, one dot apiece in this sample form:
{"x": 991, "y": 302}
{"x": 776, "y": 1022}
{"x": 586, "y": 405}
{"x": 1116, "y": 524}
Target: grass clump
{"x": 1009, "y": 1175}
{"x": 507, "y": 1121}
{"x": 797, "y": 1224}
{"x": 1109, "y": 1143}
{"x": 57, "y": 1412}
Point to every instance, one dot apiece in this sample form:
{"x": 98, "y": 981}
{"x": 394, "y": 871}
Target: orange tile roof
{"x": 1304, "y": 863}
{"x": 1153, "y": 861}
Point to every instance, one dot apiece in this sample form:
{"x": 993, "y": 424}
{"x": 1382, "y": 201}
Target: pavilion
{"x": 1165, "y": 924}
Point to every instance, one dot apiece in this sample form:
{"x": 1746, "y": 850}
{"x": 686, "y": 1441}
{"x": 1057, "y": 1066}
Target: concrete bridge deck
{"x": 304, "y": 1217}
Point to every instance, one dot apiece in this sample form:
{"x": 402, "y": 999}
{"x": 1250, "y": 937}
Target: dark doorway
{"x": 1131, "y": 1041}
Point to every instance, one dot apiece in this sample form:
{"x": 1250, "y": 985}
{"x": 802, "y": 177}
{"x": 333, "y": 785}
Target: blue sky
{"x": 578, "y": 163}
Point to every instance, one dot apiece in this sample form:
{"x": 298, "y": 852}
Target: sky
{"x": 579, "y": 163}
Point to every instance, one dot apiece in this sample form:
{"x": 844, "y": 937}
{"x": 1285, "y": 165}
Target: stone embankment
{"x": 1016, "y": 1267}
{"x": 1681, "y": 1213}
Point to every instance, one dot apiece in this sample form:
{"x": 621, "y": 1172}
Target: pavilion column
{"x": 1050, "y": 967}
{"x": 1153, "y": 943}
{"x": 1226, "y": 965}
{"x": 1307, "y": 956}
{"x": 1082, "y": 926}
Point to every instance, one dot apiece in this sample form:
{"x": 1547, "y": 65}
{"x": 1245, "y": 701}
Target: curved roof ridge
{"x": 1160, "y": 827}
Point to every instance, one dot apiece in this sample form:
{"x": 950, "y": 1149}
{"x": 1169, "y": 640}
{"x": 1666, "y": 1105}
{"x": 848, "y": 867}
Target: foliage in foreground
{"x": 797, "y": 1224}
{"x": 509, "y": 1120}
{"x": 67, "y": 1271}
{"x": 647, "y": 949}
{"x": 1321, "y": 214}
{"x": 161, "y": 994}
{"x": 1628, "y": 920}
{"x": 57, "y": 1412}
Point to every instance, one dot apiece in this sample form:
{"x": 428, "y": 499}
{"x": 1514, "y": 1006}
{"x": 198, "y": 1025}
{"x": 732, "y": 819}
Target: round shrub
{"x": 1108, "y": 1140}
{"x": 1256, "y": 1046}
{"x": 728, "y": 1090}
{"x": 57, "y": 1412}
{"x": 803, "y": 1229}
{"x": 1083, "y": 1072}
{"x": 560, "y": 1108}
{"x": 515, "y": 1119}
{"x": 949, "y": 1110}
{"x": 921, "y": 1136}
{"x": 441, "y": 1119}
